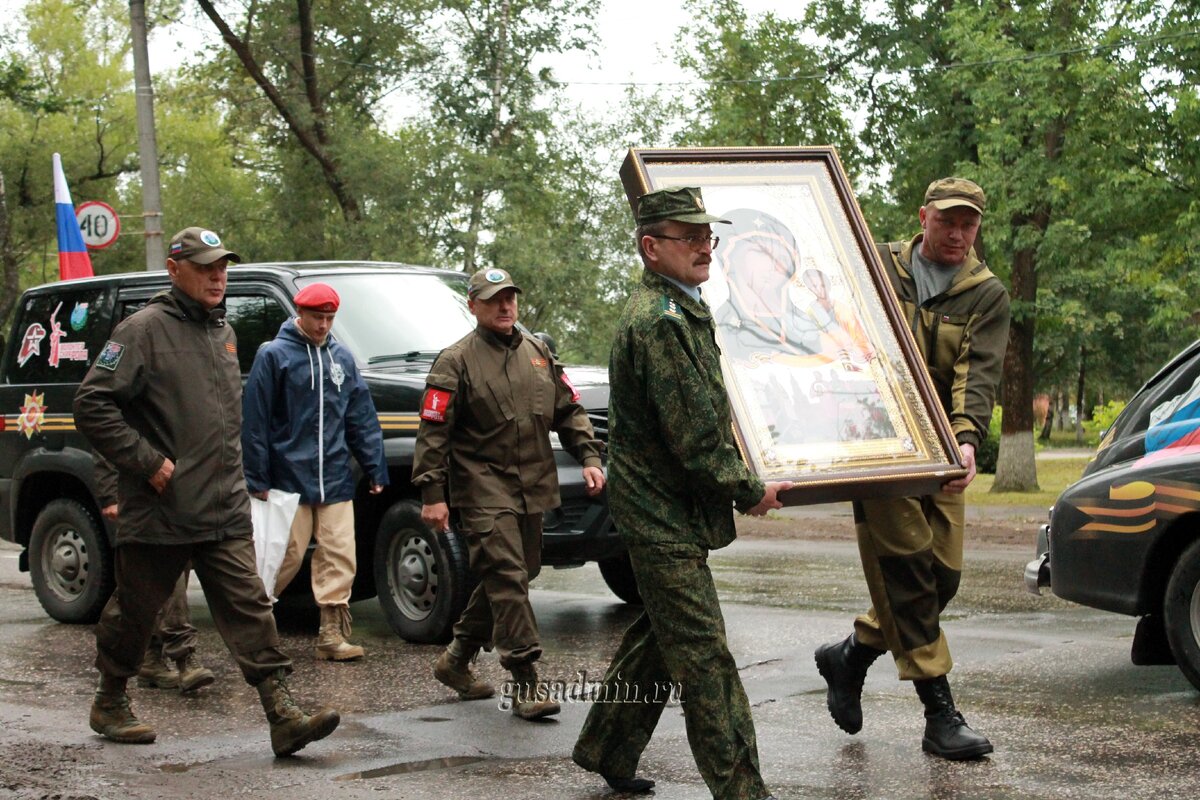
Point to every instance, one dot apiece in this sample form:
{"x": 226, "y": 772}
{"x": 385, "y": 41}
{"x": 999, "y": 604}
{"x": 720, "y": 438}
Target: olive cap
{"x": 486, "y": 283}
{"x": 199, "y": 246}
{"x": 680, "y": 203}
{"x": 950, "y": 192}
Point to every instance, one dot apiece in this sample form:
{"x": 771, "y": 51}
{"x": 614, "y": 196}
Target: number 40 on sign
{"x": 98, "y": 223}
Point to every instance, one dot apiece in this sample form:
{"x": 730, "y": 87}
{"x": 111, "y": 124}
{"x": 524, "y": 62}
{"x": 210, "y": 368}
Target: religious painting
{"x": 825, "y": 381}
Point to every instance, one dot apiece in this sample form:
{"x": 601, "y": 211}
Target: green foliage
{"x": 989, "y": 449}
{"x": 1102, "y": 419}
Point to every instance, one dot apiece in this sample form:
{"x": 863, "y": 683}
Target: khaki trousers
{"x": 148, "y": 573}
{"x": 505, "y": 558}
{"x": 334, "y": 561}
{"x": 912, "y": 555}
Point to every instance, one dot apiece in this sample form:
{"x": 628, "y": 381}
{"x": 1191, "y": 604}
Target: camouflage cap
{"x": 950, "y": 192}
{"x": 680, "y": 203}
{"x": 199, "y": 246}
{"x": 486, "y": 283}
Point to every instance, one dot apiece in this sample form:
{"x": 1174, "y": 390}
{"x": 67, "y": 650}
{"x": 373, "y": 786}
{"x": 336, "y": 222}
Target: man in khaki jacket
{"x": 483, "y": 448}
{"x": 912, "y": 547}
{"x": 163, "y": 404}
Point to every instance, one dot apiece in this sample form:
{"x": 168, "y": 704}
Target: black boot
{"x": 946, "y": 732}
{"x": 844, "y": 667}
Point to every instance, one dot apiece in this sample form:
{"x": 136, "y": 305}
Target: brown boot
{"x": 112, "y": 716}
{"x": 156, "y": 671}
{"x": 192, "y": 674}
{"x": 530, "y": 700}
{"x": 291, "y": 728}
{"x": 331, "y": 640}
{"x": 454, "y": 670}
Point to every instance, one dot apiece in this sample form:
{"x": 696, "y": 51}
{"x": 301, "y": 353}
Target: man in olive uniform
{"x": 676, "y": 477}
{"x": 163, "y": 404}
{"x": 912, "y": 547}
{"x": 483, "y": 448}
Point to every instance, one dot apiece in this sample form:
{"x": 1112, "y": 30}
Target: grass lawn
{"x": 1053, "y": 476}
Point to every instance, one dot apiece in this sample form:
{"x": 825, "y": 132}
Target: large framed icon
{"x": 827, "y": 386}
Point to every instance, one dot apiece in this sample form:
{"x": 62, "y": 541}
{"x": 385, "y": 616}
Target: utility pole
{"x": 147, "y": 143}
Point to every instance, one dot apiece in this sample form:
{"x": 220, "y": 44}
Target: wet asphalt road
{"x": 1050, "y": 683}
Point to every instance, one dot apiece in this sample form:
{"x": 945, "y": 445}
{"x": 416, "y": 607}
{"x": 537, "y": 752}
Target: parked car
{"x": 394, "y": 319}
{"x": 1126, "y": 536}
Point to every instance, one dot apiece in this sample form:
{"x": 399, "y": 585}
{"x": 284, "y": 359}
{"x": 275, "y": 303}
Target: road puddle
{"x": 411, "y": 766}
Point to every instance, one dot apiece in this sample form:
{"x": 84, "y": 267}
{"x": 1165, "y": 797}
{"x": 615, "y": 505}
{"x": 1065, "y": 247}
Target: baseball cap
{"x": 950, "y": 192}
{"x": 199, "y": 246}
{"x": 680, "y": 203}
{"x": 486, "y": 283}
{"x": 317, "y": 297}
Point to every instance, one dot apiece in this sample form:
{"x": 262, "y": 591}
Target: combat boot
{"x": 291, "y": 728}
{"x": 112, "y": 716}
{"x": 530, "y": 700}
{"x": 453, "y": 668}
{"x": 331, "y": 640}
{"x": 192, "y": 674}
{"x": 156, "y": 671}
{"x": 844, "y": 667}
{"x": 947, "y": 734}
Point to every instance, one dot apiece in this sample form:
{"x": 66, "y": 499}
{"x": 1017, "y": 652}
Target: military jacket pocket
{"x": 493, "y": 406}
{"x": 948, "y": 332}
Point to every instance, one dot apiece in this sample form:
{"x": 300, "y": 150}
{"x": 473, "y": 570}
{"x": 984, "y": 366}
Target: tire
{"x": 70, "y": 562}
{"x": 1181, "y": 613}
{"x": 422, "y": 579}
{"x": 618, "y": 574}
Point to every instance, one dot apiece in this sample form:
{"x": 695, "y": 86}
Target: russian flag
{"x": 73, "y": 258}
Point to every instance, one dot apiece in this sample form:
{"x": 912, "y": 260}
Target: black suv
{"x": 1126, "y": 536}
{"x": 394, "y": 319}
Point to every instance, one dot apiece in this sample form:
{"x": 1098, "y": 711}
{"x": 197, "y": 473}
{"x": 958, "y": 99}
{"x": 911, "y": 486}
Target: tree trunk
{"x": 1079, "y": 386}
{"x": 10, "y": 275}
{"x": 1016, "y": 469}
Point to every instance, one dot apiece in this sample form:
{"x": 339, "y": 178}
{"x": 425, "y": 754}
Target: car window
{"x": 59, "y": 335}
{"x": 390, "y": 317}
{"x": 256, "y": 319}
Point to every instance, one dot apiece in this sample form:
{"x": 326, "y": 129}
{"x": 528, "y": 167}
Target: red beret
{"x": 318, "y": 297}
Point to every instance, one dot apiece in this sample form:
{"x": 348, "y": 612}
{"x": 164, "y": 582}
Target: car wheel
{"x": 618, "y": 574}
{"x": 422, "y": 578}
{"x": 1181, "y": 613}
{"x": 70, "y": 562}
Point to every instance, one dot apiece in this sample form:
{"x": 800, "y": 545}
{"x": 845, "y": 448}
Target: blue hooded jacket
{"x": 305, "y": 410}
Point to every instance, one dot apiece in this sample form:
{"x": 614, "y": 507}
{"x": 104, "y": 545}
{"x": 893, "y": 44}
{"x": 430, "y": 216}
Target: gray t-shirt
{"x": 931, "y": 277}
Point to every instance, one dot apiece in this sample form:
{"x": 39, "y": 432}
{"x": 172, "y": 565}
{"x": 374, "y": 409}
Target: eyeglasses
{"x": 697, "y": 243}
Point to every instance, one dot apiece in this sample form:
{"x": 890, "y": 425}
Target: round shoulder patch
{"x": 495, "y": 276}
{"x": 210, "y": 238}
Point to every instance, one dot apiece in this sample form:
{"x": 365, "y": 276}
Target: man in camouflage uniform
{"x": 491, "y": 400}
{"x": 911, "y": 547}
{"x": 676, "y": 477}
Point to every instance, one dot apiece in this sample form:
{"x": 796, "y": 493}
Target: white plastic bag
{"x": 272, "y": 519}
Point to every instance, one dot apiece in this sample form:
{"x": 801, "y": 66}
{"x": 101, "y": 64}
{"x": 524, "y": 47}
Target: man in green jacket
{"x": 163, "y": 404}
{"x": 912, "y": 547}
{"x": 676, "y": 477}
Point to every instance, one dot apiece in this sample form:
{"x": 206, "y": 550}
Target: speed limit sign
{"x": 99, "y": 224}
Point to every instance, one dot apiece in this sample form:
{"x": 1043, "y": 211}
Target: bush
{"x": 1102, "y": 419}
{"x": 989, "y": 449}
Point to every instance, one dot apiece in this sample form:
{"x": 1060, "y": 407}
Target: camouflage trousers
{"x": 912, "y": 555}
{"x": 678, "y": 641}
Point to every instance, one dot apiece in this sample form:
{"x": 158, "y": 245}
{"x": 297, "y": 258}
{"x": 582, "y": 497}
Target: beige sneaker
{"x": 331, "y": 639}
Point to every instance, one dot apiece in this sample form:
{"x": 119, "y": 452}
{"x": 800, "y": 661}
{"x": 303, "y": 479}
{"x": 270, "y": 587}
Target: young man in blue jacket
{"x": 306, "y": 410}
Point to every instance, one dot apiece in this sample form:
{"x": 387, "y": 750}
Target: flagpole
{"x": 147, "y": 143}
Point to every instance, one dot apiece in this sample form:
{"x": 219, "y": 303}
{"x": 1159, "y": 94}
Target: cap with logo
{"x": 680, "y": 203}
{"x": 486, "y": 283}
{"x": 950, "y": 192}
{"x": 199, "y": 246}
{"x": 317, "y": 297}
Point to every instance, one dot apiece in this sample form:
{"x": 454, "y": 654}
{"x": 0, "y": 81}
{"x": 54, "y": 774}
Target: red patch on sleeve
{"x": 434, "y": 405}
{"x": 571, "y": 386}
